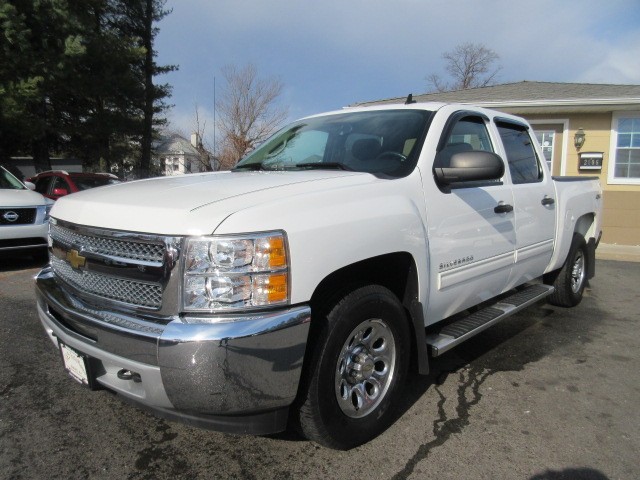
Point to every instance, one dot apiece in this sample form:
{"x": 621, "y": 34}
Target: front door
{"x": 471, "y": 245}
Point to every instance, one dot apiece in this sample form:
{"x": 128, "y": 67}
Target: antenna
{"x": 410, "y": 99}
{"x": 214, "y": 119}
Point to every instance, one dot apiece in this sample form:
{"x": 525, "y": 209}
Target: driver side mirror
{"x": 59, "y": 192}
{"x": 467, "y": 166}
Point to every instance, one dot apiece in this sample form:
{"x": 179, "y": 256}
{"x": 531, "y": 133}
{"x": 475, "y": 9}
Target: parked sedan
{"x": 54, "y": 184}
{"x": 24, "y": 216}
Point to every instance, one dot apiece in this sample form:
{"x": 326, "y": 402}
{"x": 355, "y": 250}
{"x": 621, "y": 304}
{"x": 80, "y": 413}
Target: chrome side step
{"x": 460, "y": 330}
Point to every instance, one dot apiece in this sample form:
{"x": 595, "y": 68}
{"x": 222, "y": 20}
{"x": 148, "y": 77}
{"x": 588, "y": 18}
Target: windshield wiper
{"x": 248, "y": 166}
{"x": 325, "y": 166}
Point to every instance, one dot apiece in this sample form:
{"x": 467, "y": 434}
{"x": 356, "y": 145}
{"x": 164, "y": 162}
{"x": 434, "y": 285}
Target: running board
{"x": 460, "y": 330}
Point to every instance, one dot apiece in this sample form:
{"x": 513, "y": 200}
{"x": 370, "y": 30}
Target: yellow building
{"x": 584, "y": 129}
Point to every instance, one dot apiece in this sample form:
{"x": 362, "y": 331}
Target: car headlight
{"x": 47, "y": 212}
{"x": 232, "y": 273}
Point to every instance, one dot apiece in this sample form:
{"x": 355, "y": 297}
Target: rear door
{"x": 534, "y": 201}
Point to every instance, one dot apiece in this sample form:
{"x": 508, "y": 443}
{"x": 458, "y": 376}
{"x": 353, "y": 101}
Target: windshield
{"x": 384, "y": 142}
{"x": 83, "y": 183}
{"x": 8, "y": 181}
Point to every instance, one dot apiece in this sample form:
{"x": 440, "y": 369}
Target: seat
{"x": 365, "y": 149}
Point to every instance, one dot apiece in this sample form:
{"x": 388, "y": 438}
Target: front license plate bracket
{"x": 78, "y": 365}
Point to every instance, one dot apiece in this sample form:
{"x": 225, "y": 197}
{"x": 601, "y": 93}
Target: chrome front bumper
{"x": 236, "y": 374}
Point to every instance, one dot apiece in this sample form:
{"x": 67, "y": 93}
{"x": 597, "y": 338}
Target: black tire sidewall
{"x": 363, "y": 304}
{"x": 573, "y": 298}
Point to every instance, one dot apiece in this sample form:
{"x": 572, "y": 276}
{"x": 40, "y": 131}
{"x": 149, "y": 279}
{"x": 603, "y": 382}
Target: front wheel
{"x": 357, "y": 369}
{"x": 571, "y": 280}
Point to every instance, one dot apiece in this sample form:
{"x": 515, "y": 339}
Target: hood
{"x": 189, "y": 204}
{"x": 20, "y": 198}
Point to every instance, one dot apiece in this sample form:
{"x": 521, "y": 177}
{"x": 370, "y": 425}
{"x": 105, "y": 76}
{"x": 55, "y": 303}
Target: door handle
{"x": 547, "y": 201}
{"x": 503, "y": 208}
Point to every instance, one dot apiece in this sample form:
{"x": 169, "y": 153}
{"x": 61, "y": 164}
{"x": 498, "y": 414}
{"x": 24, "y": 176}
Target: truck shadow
{"x": 511, "y": 345}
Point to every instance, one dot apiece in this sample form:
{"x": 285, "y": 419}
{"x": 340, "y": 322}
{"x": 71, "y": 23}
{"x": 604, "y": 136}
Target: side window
{"x": 521, "y": 153}
{"x": 472, "y": 132}
{"x": 467, "y": 135}
{"x": 42, "y": 185}
{"x": 60, "y": 183}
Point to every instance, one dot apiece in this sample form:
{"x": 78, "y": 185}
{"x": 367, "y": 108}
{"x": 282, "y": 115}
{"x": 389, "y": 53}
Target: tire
{"x": 357, "y": 369}
{"x": 570, "y": 281}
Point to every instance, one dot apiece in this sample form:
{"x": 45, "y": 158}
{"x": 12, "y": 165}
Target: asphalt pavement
{"x": 549, "y": 394}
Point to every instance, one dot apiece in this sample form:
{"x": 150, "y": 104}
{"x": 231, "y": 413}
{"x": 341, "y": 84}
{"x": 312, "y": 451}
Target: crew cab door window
{"x": 524, "y": 165}
{"x": 472, "y": 132}
{"x": 467, "y": 134}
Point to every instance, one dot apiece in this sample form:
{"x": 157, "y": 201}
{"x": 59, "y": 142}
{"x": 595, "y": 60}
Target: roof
{"x": 174, "y": 145}
{"x": 530, "y": 97}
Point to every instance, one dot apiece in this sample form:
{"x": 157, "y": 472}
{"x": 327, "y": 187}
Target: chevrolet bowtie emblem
{"x": 75, "y": 259}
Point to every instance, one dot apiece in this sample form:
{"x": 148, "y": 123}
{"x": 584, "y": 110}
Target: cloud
{"x": 335, "y": 52}
{"x": 616, "y": 65}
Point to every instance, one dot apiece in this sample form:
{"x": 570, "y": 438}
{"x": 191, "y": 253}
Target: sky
{"x": 333, "y": 53}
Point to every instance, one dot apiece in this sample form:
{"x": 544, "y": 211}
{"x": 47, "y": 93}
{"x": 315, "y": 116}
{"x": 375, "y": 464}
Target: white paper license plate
{"x": 74, "y": 364}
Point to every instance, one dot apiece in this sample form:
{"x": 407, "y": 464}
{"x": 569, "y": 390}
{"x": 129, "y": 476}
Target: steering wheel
{"x": 391, "y": 154}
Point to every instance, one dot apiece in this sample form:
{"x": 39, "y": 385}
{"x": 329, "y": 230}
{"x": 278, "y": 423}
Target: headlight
{"x": 231, "y": 273}
{"x": 47, "y": 211}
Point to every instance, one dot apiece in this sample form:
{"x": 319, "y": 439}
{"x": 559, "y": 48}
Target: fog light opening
{"x": 125, "y": 374}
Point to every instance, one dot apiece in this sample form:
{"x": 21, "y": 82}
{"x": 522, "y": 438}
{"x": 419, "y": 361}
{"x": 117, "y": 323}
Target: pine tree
{"x": 78, "y": 75}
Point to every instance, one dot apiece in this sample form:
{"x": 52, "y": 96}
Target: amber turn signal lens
{"x": 277, "y": 288}
{"x": 277, "y": 252}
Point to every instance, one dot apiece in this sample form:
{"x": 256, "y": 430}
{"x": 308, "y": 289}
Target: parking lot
{"x": 549, "y": 394}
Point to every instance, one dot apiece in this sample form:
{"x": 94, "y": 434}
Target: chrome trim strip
{"x": 470, "y": 271}
{"x": 535, "y": 250}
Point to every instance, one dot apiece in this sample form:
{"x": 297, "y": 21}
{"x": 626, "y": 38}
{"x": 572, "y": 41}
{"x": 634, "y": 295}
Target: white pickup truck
{"x": 299, "y": 288}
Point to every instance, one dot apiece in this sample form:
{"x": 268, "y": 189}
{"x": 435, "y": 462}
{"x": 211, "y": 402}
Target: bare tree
{"x": 205, "y": 159}
{"x": 247, "y": 112}
{"x": 470, "y": 65}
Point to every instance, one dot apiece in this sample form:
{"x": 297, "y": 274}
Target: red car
{"x": 54, "y": 184}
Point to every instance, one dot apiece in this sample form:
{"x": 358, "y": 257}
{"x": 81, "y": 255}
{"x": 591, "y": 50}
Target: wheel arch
{"x": 394, "y": 271}
{"x": 586, "y": 227}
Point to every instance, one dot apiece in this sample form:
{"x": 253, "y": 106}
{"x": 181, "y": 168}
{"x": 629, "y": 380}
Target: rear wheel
{"x": 571, "y": 280}
{"x": 356, "y": 370}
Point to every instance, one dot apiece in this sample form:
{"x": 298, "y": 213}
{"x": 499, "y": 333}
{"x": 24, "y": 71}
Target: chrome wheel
{"x": 578, "y": 272}
{"x": 365, "y": 367}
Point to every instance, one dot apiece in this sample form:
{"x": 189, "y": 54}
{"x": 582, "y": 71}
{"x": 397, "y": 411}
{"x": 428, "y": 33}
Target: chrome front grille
{"x": 132, "y": 292}
{"x": 117, "y": 270}
{"x": 125, "y": 249}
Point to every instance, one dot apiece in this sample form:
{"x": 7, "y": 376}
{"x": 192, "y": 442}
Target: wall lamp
{"x": 579, "y": 138}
